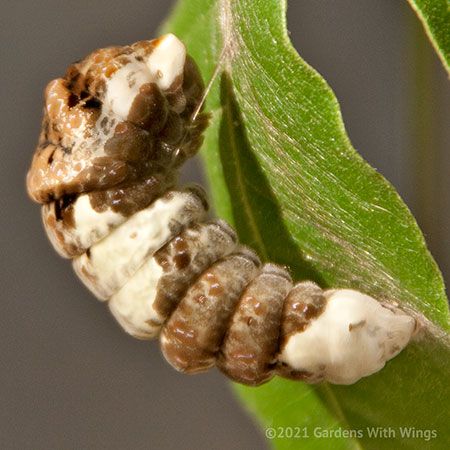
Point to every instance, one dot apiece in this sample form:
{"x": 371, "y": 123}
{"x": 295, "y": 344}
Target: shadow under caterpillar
{"x": 116, "y": 129}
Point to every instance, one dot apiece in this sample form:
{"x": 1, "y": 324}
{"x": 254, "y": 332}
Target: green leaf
{"x": 282, "y": 170}
{"x": 435, "y": 17}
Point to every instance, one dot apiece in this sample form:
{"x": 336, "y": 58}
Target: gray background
{"x": 69, "y": 377}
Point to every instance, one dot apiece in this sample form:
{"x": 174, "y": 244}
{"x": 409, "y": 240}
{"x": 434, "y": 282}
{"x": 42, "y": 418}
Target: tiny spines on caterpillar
{"x": 115, "y": 131}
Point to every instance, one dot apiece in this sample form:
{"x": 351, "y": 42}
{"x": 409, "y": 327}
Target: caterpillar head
{"x": 119, "y": 117}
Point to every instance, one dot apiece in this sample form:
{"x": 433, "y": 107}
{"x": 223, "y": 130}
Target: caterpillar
{"x": 116, "y": 129}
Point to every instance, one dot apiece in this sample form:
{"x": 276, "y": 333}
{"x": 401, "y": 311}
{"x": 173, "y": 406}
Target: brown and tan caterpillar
{"x": 116, "y": 129}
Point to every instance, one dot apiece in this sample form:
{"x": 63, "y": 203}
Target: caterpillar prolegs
{"x": 115, "y": 131}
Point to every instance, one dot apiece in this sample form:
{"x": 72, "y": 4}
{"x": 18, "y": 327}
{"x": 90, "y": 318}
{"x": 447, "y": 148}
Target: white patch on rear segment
{"x": 164, "y": 64}
{"x": 352, "y": 338}
{"x": 132, "y": 305}
{"x": 116, "y": 258}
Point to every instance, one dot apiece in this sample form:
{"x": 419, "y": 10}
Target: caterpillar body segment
{"x": 108, "y": 265}
{"x": 147, "y": 300}
{"x": 249, "y": 353}
{"x": 116, "y": 129}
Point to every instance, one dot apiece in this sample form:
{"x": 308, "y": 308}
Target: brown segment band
{"x": 304, "y": 303}
{"x": 61, "y": 226}
{"x": 191, "y": 338}
{"x": 184, "y": 258}
{"x": 248, "y": 354}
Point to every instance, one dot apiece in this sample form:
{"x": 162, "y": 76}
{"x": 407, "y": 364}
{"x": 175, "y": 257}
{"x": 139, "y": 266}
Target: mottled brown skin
{"x": 156, "y": 137}
{"x": 149, "y": 109}
{"x": 248, "y": 353}
{"x": 185, "y": 257}
{"x": 192, "y": 336}
{"x": 133, "y": 196}
{"x": 135, "y": 166}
